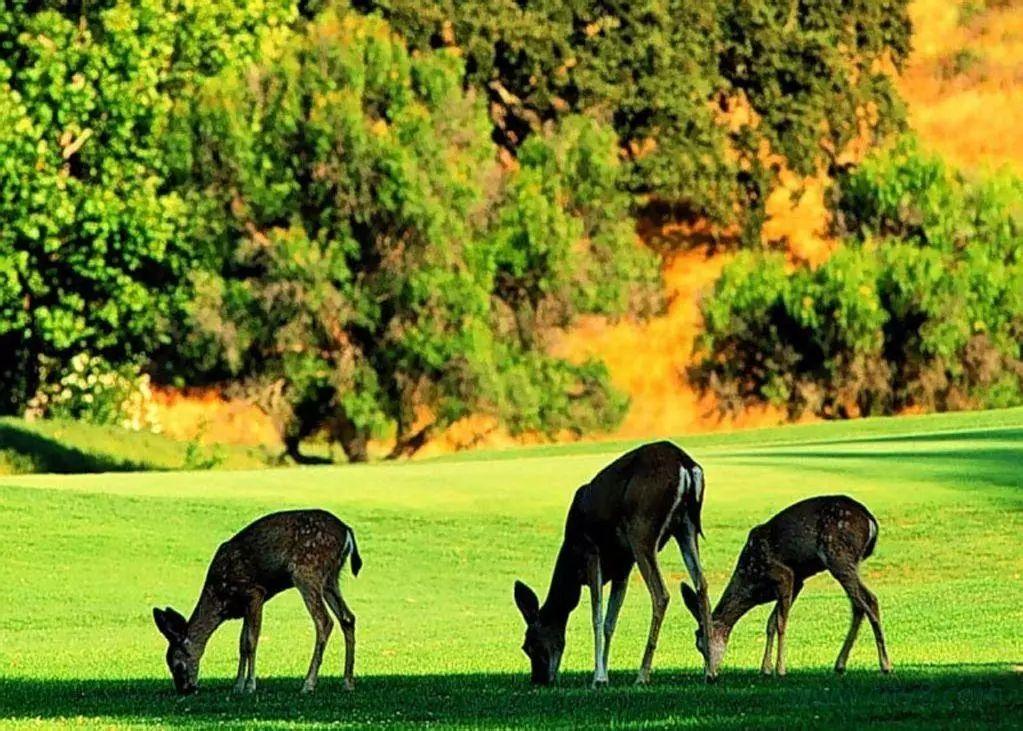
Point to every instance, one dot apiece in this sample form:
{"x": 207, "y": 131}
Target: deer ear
{"x": 528, "y": 604}
{"x": 170, "y": 623}
{"x": 691, "y": 601}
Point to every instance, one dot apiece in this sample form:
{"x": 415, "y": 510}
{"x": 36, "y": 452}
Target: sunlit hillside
{"x": 964, "y": 89}
{"x": 964, "y": 94}
{"x": 964, "y": 84}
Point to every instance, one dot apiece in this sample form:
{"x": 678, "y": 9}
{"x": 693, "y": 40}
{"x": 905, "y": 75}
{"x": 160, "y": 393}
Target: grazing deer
{"x": 830, "y": 533}
{"x": 624, "y": 516}
{"x": 304, "y": 549}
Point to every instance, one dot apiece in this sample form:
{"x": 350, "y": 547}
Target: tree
{"x": 695, "y": 91}
{"x": 92, "y": 257}
{"x": 378, "y": 255}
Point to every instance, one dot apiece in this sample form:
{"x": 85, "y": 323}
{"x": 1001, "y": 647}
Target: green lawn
{"x": 84, "y": 558}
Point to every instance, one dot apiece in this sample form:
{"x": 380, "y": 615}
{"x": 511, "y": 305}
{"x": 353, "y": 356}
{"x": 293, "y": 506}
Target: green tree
{"x": 666, "y": 74}
{"x": 92, "y": 256}
{"x": 384, "y": 274}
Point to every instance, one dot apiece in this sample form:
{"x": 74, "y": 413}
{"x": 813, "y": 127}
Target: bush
{"x": 92, "y": 390}
{"x": 923, "y": 307}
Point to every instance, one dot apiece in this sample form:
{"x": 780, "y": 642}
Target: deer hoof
{"x": 239, "y": 687}
{"x": 780, "y": 672}
{"x": 308, "y": 687}
{"x": 887, "y": 669}
{"x": 840, "y": 669}
{"x": 599, "y": 683}
{"x": 250, "y": 686}
{"x": 643, "y": 679}
{"x": 766, "y": 670}
{"x": 349, "y": 684}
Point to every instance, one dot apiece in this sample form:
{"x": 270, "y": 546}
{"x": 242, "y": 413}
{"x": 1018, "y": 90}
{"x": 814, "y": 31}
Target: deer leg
{"x": 648, "y": 568}
{"x": 874, "y": 616}
{"x": 614, "y": 605}
{"x": 254, "y": 623}
{"x": 854, "y": 629}
{"x": 346, "y": 619}
{"x": 766, "y": 665}
{"x": 314, "y": 603}
{"x": 785, "y": 587}
{"x": 686, "y": 539}
{"x": 243, "y": 657}
{"x": 245, "y": 681}
{"x": 596, "y": 583}
{"x": 772, "y": 629}
{"x": 861, "y": 598}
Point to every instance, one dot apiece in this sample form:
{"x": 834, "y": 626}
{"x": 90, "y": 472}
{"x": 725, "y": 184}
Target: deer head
{"x": 711, "y": 644}
{"x": 544, "y": 643}
{"x": 182, "y": 658}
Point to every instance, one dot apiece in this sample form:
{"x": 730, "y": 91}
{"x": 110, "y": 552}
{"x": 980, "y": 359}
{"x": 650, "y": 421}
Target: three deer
{"x": 624, "y": 516}
{"x": 305, "y": 549}
{"x": 830, "y": 533}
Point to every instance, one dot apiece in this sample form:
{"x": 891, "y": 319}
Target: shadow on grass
{"x": 996, "y": 466}
{"x": 32, "y": 452}
{"x": 996, "y": 434}
{"x": 989, "y": 695}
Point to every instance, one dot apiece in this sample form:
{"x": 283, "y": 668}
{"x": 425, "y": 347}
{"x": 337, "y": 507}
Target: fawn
{"x": 830, "y": 533}
{"x": 304, "y": 549}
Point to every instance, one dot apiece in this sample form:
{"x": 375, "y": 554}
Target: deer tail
{"x": 353, "y": 548}
{"x": 871, "y": 537}
{"x": 695, "y": 506}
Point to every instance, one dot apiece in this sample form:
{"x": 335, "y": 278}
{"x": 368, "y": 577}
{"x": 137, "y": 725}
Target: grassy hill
{"x": 75, "y": 447}
{"x": 86, "y": 557}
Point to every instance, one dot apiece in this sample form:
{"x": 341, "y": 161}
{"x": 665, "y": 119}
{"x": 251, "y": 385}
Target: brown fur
{"x": 624, "y": 516}
{"x": 305, "y": 549}
{"x": 829, "y": 533}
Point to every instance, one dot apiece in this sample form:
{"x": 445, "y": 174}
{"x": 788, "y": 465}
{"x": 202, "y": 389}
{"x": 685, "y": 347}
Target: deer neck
{"x": 732, "y": 606}
{"x": 205, "y": 619}
{"x": 565, "y": 589}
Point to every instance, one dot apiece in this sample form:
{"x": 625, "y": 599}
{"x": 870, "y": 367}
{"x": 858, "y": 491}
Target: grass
{"x": 86, "y": 557}
{"x": 75, "y": 447}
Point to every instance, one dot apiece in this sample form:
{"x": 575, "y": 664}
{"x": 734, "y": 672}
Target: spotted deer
{"x": 829, "y": 533}
{"x": 624, "y": 516}
{"x": 305, "y": 549}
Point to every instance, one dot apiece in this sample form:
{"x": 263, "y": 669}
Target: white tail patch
{"x": 349, "y": 544}
{"x": 683, "y": 482}
{"x": 872, "y": 532}
{"x": 698, "y": 483}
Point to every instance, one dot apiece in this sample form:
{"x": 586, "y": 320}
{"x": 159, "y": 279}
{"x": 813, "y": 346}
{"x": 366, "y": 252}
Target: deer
{"x": 623, "y": 517}
{"x": 304, "y": 549}
{"x": 832, "y": 533}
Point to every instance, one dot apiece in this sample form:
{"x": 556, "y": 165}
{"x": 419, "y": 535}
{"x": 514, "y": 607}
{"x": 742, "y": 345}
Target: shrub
{"x": 922, "y": 307}
{"x": 92, "y": 390}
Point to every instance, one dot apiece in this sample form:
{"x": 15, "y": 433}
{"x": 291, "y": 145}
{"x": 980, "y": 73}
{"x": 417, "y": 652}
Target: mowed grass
{"x": 85, "y": 558}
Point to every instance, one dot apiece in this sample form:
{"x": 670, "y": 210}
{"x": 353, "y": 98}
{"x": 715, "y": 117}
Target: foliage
{"x": 695, "y": 91}
{"x": 923, "y": 307}
{"x": 435, "y": 647}
{"x": 383, "y": 275}
{"x": 92, "y": 390}
{"x": 92, "y": 257}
